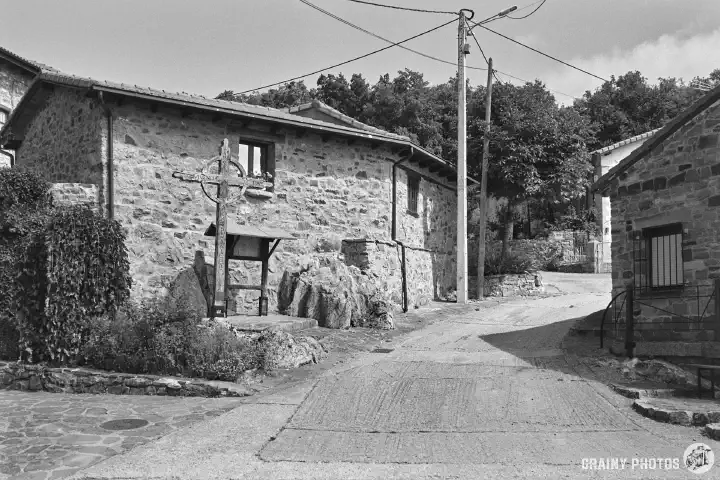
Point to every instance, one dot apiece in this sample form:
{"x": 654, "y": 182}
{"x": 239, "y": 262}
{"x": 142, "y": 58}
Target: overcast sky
{"x": 207, "y": 46}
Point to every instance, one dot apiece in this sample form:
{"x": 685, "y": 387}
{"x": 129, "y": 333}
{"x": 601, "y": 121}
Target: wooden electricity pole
{"x": 462, "y": 268}
{"x": 483, "y": 187}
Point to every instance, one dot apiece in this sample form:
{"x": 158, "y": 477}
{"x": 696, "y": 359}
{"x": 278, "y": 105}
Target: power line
{"x": 507, "y": 74}
{"x": 351, "y": 60}
{"x": 542, "y": 2}
{"x": 541, "y": 53}
{"x": 403, "y": 8}
{"x": 356, "y": 27}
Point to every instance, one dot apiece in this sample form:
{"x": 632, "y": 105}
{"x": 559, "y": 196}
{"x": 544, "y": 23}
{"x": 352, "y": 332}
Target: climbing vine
{"x": 87, "y": 277}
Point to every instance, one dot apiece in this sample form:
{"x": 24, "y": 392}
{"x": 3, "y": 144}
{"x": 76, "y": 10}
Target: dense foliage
{"x": 63, "y": 268}
{"x": 497, "y": 263}
{"x": 150, "y": 337}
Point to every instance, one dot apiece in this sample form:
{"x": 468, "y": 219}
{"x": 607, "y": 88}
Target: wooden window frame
{"x": 267, "y": 158}
{"x": 413, "y": 194}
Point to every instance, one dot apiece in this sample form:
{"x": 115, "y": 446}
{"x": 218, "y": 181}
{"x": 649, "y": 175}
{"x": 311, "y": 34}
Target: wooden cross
{"x": 224, "y": 180}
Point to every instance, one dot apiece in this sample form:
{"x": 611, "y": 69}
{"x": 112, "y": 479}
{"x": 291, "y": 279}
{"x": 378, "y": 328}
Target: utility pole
{"x": 462, "y": 268}
{"x": 483, "y": 186}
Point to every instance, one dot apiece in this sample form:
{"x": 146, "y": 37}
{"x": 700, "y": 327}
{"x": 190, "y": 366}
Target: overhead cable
{"x": 541, "y": 53}
{"x": 351, "y": 60}
{"x": 395, "y": 7}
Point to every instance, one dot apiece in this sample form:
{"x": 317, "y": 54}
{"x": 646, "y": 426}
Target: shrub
{"x": 495, "y": 264}
{"x": 154, "y": 337}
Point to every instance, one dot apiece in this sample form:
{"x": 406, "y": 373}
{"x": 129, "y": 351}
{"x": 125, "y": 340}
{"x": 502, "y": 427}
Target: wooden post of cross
{"x": 224, "y": 180}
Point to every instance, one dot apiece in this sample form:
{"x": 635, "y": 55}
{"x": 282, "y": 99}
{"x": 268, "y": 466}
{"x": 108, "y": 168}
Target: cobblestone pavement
{"x": 51, "y": 436}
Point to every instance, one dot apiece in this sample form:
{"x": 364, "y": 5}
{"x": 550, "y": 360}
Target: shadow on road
{"x": 551, "y": 347}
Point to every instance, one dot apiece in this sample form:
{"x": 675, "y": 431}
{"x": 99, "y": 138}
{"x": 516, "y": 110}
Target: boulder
{"x": 185, "y": 290}
{"x": 282, "y": 350}
{"x": 336, "y": 295}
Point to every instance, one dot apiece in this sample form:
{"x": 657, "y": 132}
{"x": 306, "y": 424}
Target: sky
{"x": 208, "y": 46}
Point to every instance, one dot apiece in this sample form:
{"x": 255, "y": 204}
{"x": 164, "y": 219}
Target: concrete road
{"x": 481, "y": 393}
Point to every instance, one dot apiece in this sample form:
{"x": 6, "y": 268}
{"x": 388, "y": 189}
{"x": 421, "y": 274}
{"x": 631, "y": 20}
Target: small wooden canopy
{"x": 235, "y": 229}
{"x": 248, "y": 242}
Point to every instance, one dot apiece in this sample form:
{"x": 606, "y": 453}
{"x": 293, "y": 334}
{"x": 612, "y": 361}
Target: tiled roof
{"x": 627, "y": 141}
{"x": 200, "y": 101}
{"x": 31, "y": 65}
{"x": 705, "y": 102}
{"x": 336, "y": 114}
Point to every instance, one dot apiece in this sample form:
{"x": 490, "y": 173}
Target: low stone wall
{"x": 17, "y": 376}
{"x": 75, "y": 194}
{"x": 516, "y": 285}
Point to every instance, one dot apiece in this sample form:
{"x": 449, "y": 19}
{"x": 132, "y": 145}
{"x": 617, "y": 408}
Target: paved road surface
{"x": 483, "y": 393}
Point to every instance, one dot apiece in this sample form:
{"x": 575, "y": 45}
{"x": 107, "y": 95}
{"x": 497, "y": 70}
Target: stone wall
{"x": 679, "y": 182}
{"x": 14, "y": 82}
{"x": 521, "y": 285}
{"x": 326, "y": 189}
{"x": 64, "y": 141}
{"x": 429, "y": 275}
{"x": 75, "y": 194}
{"x": 16, "y": 376}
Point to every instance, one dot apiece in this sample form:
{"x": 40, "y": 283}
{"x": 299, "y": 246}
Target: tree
{"x": 288, "y": 95}
{"x": 627, "y": 106}
{"x": 537, "y": 149}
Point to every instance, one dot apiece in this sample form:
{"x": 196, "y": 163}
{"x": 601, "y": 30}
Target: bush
{"x": 146, "y": 337}
{"x": 495, "y": 264}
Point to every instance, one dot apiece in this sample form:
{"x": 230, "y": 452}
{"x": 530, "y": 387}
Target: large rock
{"x": 336, "y": 295}
{"x": 282, "y": 350}
{"x": 186, "y": 291}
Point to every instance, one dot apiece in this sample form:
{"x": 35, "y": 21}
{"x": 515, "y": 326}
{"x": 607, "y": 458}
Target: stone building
{"x": 603, "y": 160}
{"x": 16, "y": 74}
{"x": 338, "y": 184}
{"x": 665, "y": 199}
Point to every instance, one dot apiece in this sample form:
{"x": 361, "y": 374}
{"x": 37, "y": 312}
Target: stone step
{"x": 255, "y": 323}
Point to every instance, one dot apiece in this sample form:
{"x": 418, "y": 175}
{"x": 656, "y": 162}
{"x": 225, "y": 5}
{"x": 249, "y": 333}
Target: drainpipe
{"x": 111, "y": 182}
{"x": 394, "y": 229}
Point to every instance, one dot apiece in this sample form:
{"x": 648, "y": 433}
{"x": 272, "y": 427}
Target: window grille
{"x": 256, "y": 159}
{"x": 658, "y": 259}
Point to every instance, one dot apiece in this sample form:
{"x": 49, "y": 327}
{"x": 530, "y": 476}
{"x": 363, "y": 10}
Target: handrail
{"x": 602, "y": 323}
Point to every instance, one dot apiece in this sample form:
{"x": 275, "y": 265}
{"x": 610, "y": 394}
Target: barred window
{"x": 658, "y": 257}
{"x": 413, "y": 193}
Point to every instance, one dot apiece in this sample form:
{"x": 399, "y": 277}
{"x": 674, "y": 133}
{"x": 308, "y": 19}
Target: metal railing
{"x": 633, "y": 299}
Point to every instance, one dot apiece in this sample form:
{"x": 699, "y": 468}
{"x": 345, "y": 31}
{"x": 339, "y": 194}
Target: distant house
{"x": 16, "y": 74}
{"x": 665, "y": 225}
{"x": 339, "y": 184}
{"x": 603, "y": 160}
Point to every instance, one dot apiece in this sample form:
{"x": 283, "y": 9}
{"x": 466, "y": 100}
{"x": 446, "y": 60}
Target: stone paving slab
{"x": 46, "y": 435}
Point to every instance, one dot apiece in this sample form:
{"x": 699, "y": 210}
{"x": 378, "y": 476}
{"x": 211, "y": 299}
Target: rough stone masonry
{"x": 327, "y": 188}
